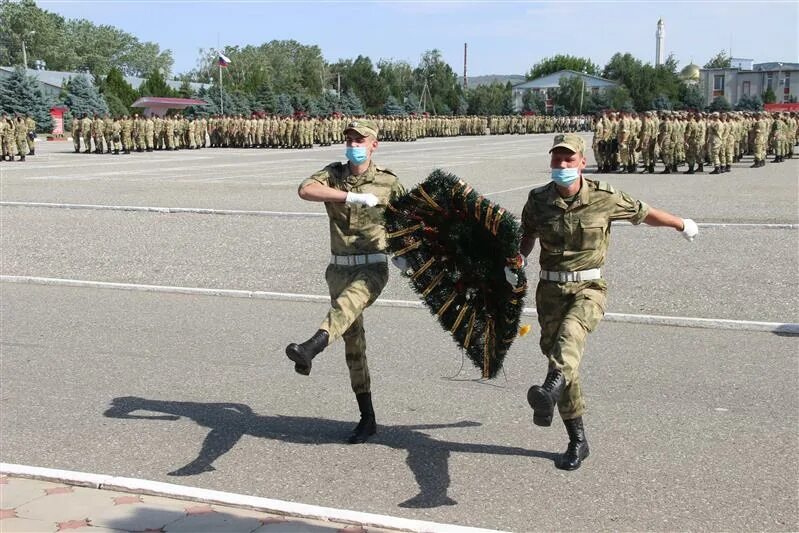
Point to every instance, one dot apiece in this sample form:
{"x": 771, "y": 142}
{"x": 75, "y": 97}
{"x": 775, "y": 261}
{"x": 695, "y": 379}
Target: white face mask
{"x": 565, "y": 176}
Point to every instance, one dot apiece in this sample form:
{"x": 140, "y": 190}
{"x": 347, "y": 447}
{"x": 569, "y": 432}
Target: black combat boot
{"x": 666, "y": 170}
{"x": 544, "y": 398}
{"x": 756, "y": 164}
{"x": 22, "y": 157}
{"x": 32, "y": 152}
{"x": 578, "y": 445}
{"x": 367, "y": 426}
{"x": 303, "y": 354}
{"x": 716, "y": 170}
{"x": 701, "y": 167}
{"x": 726, "y": 168}
{"x": 116, "y": 151}
{"x": 690, "y": 170}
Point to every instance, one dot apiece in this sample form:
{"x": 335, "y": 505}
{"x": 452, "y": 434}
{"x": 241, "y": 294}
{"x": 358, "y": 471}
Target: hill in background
{"x": 474, "y": 81}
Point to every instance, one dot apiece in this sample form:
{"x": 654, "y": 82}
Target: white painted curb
{"x": 785, "y": 328}
{"x": 268, "y": 505}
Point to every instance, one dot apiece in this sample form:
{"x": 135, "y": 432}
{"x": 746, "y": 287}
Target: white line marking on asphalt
{"x": 259, "y": 213}
{"x": 196, "y": 210}
{"x": 268, "y": 505}
{"x": 653, "y": 320}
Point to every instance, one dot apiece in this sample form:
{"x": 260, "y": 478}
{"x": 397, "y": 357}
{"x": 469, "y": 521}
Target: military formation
{"x": 16, "y": 136}
{"x": 103, "y": 134}
{"x": 695, "y": 139}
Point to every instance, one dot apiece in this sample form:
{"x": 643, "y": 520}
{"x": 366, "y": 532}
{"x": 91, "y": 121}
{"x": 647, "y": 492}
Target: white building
{"x": 547, "y": 85}
{"x": 747, "y": 79}
{"x": 51, "y": 81}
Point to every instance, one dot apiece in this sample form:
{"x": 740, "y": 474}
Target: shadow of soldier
{"x": 428, "y": 459}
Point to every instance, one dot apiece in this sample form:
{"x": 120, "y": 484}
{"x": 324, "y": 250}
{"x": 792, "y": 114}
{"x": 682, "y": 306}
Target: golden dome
{"x": 690, "y": 73}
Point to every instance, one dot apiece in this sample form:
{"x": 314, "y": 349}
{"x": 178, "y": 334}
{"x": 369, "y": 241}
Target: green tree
{"x": 114, "y": 87}
{"x": 351, "y": 104}
{"x": 19, "y": 93}
{"x": 412, "y": 104}
{"x": 691, "y": 97}
{"x": 155, "y": 85}
{"x": 393, "y": 107}
{"x": 283, "y": 105}
{"x": 749, "y": 103}
{"x": 83, "y": 97}
{"x": 396, "y": 77}
{"x": 769, "y": 97}
{"x": 265, "y": 99}
{"x": 662, "y": 102}
{"x": 493, "y": 99}
{"x": 441, "y": 80}
{"x": 571, "y": 94}
{"x": 720, "y": 103}
{"x": 362, "y": 79}
{"x": 533, "y": 102}
{"x": 720, "y": 60}
{"x": 619, "y": 98}
{"x": 560, "y": 62}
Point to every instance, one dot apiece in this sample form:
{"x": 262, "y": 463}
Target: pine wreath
{"x": 457, "y": 243}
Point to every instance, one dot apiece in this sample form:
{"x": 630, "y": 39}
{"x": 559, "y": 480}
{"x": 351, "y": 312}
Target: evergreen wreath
{"x": 457, "y": 244}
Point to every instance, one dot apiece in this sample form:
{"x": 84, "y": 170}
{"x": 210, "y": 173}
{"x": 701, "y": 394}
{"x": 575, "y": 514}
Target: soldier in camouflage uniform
{"x": 355, "y": 195}
{"x": 21, "y": 136}
{"x": 571, "y": 216}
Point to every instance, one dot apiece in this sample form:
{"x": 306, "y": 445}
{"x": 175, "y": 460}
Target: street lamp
{"x": 25, "y": 52}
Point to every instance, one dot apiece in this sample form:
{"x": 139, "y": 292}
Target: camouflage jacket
{"x": 575, "y": 236}
{"x": 357, "y": 229}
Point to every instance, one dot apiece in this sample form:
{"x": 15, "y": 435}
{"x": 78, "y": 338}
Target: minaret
{"x": 659, "y": 36}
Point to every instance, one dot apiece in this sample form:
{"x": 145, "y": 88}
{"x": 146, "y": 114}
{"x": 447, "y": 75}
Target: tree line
{"x": 285, "y": 76}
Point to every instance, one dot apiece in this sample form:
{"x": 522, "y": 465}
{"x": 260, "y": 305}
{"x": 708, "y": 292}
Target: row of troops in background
{"x": 103, "y": 134}
{"x": 127, "y": 134}
{"x": 15, "y": 134}
{"x": 692, "y": 138}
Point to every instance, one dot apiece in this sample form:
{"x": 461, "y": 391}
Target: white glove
{"x": 400, "y": 262}
{"x": 511, "y": 277}
{"x": 690, "y": 229}
{"x": 368, "y": 199}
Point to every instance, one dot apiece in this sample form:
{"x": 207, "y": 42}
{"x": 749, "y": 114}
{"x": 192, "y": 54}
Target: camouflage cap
{"x": 570, "y": 141}
{"x": 367, "y": 128}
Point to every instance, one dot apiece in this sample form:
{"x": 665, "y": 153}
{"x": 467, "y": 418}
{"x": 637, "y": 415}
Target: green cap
{"x": 367, "y": 128}
{"x": 570, "y": 141}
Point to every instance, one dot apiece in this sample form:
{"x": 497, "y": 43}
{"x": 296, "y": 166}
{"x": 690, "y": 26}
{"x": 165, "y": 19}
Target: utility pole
{"x": 24, "y": 50}
{"x": 465, "y": 83}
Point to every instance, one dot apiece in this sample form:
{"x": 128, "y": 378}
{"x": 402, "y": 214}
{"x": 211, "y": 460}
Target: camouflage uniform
{"x": 354, "y": 232}
{"x": 574, "y": 237}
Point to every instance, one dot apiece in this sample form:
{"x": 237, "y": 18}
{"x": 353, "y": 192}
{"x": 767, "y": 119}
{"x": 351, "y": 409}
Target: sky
{"x": 504, "y": 37}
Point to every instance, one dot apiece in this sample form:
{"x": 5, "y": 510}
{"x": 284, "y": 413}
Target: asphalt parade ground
{"x": 146, "y": 301}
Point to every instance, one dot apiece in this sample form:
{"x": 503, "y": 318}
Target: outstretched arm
{"x": 658, "y": 217}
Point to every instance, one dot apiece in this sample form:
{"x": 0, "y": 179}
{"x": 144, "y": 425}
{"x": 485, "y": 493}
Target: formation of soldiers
{"x": 137, "y": 134}
{"x": 103, "y": 134}
{"x": 15, "y": 133}
{"x": 621, "y": 139}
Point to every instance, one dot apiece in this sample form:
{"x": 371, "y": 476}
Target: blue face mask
{"x": 565, "y": 176}
{"x": 356, "y": 154}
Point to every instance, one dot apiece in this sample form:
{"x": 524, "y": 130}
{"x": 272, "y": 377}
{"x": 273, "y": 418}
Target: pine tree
{"x": 83, "y": 97}
{"x": 351, "y": 104}
{"x": 393, "y": 107}
{"x": 265, "y": 99}
{"x": 20, "y": 93}
{"x": 412, "y": 104}
{"x": 115, "y": 84}
{"x": 283, "y": 105}
{"x": 156, "y": 85}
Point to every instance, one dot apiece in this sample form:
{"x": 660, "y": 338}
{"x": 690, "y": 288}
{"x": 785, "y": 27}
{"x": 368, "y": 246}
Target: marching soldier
{"x": 355, "y": 194}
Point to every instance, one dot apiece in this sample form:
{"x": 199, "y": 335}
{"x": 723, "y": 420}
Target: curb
{"x": 268, "y": 505}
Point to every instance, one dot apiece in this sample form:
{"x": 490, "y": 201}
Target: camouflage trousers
{"x": 567, "y": 313}
{"x": 352, "y": 290}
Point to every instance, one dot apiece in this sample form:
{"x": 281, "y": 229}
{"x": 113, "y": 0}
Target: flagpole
{"x": 221, "y": 100}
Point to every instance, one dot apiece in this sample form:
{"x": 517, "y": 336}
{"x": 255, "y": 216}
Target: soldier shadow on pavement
{"x": 428, "y": 458}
